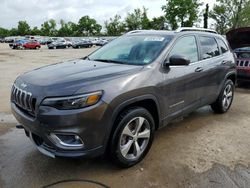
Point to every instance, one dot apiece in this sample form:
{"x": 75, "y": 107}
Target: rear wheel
{"x": 225, "y": 99}
{"x": 133, "y": 137}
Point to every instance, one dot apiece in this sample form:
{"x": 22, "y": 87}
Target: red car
{"x": 32, "y": 45}
{"x": 239, "y": 40}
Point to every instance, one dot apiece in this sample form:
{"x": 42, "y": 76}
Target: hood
{"x": 72, "y": 75}
{"x": 239, "y": 38}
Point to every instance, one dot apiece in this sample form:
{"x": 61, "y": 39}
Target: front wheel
{"x": 133, "y": 137}
{"x": 225, "y": 99}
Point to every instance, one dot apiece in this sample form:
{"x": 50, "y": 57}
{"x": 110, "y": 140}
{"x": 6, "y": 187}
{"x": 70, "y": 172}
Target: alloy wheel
{"x": 134, "y": 138}
{"x": 227, "y": 97}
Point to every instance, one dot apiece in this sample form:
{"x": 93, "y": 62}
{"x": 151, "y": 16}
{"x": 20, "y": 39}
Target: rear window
{"x": 222, "y": 45}
{"x": 209, "y": 47}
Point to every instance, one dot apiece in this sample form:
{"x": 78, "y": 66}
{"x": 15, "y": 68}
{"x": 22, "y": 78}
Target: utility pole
{"x": 205, "y": 16}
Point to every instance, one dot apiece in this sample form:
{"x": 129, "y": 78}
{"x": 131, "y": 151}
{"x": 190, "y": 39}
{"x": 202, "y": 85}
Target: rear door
{"x": 211, "y": 60}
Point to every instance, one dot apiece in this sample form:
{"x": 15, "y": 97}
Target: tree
{"x": 145, "y": 22}
{"x": 35, "y": 31}
{"x": 115, "y": 26}
{"x": 13, "y": 32}
{"x": 4, "y": 32}
{"x": 181, "y": 12}
{"x": 159, "y": 23}
{"x": 137, "y": 20}
{"x": 23, "y": 28}
{"x": 73, "y": 27}
{"x": 245, "y": 21}
{"x": 88, "y": 26}
{"x": 48, "y": 28}
{"x": 65, "y": 29}
{"x": 230, "y": 14}
{"x": 205, "y": 16}
{"x": 221, "y": 17}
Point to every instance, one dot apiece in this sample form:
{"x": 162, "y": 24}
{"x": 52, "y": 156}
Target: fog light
{"x": 67, "y": 141}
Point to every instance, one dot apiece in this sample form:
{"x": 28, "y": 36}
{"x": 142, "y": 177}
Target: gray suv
{"x": 112, "y": 101}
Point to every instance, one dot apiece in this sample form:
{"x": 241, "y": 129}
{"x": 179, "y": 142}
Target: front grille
{"x": 243, "y": 63}
{"x": 23, "y": 100}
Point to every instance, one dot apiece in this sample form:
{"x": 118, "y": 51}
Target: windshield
{"x": 134, "y": 50}
{"x": 243, "y": 52}
{"x": 247, "y": 49}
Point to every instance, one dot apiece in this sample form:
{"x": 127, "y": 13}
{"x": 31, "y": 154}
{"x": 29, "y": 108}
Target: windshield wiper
{"x": 108, "y": 61}
{"x": 86, "y": 58}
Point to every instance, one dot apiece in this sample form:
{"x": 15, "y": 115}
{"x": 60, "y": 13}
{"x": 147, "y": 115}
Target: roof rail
{"x": 137, "y": 31}
{"x": 181, "y": 29}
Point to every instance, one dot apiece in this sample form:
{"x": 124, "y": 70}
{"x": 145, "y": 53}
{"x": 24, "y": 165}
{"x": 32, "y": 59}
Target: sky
{"x": 35, "y": 12}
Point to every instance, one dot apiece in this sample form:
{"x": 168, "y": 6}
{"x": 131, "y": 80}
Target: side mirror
{"x": 177, "y": 60}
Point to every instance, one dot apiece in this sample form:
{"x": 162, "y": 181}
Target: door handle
{"x": 226, "y": 62}
{"x": 199, "y": 69}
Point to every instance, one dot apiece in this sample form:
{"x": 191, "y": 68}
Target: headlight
{"x": 74, "y": 102}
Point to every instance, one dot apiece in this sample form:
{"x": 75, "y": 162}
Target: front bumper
{"x": 91, "y": 124}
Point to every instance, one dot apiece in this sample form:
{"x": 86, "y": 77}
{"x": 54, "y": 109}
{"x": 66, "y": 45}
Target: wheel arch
{"x": 148, "y": 102}
{"x": 232, "y": 76}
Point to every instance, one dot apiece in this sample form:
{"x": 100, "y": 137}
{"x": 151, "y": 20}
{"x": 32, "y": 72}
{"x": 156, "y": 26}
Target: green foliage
{"x": 182, "y": 13}
{"x": 4, "y": 32}
{"x": 114, "y": 26}
{"x": 159, "y": 23}
{"x": 137, "y": 20}
{"x": 221, "y": 17}
{"x": 13, "y": 32}
{"x": 48, "y": 28}
{"x": 65, "y": 29}
{"x": 145, "y": 22}
{"x": 35, "y": 31}
{"x": 23, "y": 28}
{"x": 88, "y": 26}
{"x": 231, "y": 14}
{"x": 245, "y": 15}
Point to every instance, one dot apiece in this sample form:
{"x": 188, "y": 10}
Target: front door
{"x": 180, "y": 86}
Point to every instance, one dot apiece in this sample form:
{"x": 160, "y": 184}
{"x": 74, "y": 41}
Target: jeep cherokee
{"x": 239, "y": 40}
{"x": 113, "y": 100}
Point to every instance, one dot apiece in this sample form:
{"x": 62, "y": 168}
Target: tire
{"x": 37, "y": 47}
{"x": 54, "y": 47}
{"x": 225, "y": 99}
{"x": 125, "y": 141}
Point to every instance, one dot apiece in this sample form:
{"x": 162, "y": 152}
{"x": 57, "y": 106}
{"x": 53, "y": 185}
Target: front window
{"x": 187, "y": 47}
{"x": 134, "y": 50}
